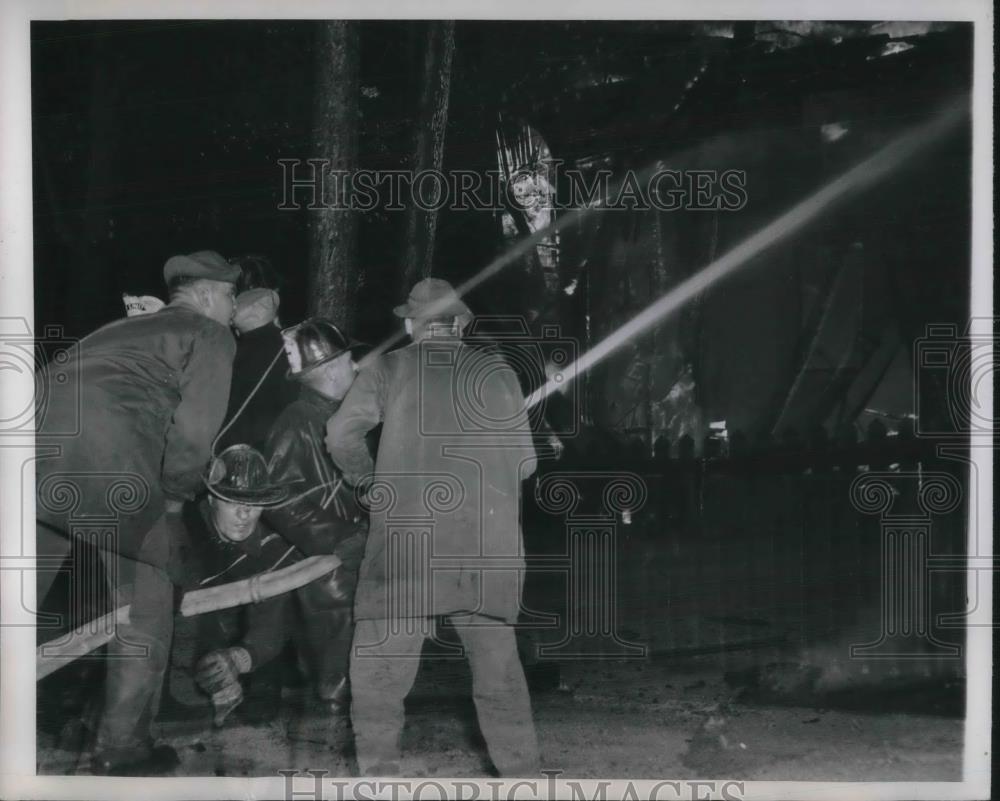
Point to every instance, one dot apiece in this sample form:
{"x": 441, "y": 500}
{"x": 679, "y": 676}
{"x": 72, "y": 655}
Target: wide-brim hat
{"x": 240, "y": 475}
{"x": 433, "y": 297}
{"x": 315, "y": 342}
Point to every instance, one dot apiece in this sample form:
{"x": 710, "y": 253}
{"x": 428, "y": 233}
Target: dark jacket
{"x": 324, "y": 517}
{"x": 455, "y": 446}
{"x": 255, "y": 350}
{"x": 213, "y": 560}
{"x": 149, "y": 394}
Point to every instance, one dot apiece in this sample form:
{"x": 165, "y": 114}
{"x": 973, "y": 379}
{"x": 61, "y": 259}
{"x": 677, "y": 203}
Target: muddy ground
{"x": 649, "y": 718}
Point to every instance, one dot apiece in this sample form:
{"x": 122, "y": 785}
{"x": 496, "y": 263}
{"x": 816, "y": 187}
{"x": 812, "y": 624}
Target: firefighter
{"x": 323, "y": 517}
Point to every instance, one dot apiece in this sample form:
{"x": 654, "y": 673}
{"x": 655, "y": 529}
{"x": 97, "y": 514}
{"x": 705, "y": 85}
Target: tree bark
{"x": 334, "y": 272}
{"x": 428, "y": 146}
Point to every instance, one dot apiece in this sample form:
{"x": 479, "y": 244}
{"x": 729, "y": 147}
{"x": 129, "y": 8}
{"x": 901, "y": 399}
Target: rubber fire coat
{"x": 322, "y": 517}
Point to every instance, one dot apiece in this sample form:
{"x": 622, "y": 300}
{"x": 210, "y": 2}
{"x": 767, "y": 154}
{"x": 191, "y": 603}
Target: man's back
{"x": 147, "y": 395}
{"x": 135, "y": 363}
{"x": 442, "y": 394}
{"x": 255, "y": 352}
{"x": 454, "y": 448}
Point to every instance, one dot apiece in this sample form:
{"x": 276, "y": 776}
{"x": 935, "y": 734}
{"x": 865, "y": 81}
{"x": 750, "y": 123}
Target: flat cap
{"x": 203, "y": 264}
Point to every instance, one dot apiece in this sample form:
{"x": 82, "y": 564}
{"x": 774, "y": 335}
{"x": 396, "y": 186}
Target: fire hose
{"x": 92, "y": 635}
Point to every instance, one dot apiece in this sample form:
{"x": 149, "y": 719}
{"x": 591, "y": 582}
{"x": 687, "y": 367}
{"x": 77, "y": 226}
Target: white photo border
{"x": 17, "y": 636}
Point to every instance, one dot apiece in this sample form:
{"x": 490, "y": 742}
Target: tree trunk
{"x": 660, "y": 346}
{"x": 431, "y": 121}
{"x": 334, "y": 273}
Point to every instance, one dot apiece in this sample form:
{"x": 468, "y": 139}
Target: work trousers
{"x": 321, "y": 630}
{"x": 325, "y": 631}
{"x": 384, "y": 660}
{"x": 138, "y": 653}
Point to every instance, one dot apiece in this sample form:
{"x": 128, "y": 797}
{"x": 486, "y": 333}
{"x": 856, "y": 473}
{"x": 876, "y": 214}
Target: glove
{"x": 221, "y": 668}
{"x": 340, "y": 585}
{"x": 217, "y": 673}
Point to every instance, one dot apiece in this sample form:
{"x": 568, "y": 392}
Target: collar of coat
{"x": 185, "y": 305}
{"x": 318, "y": 400}
{"x": 264, "y": 333}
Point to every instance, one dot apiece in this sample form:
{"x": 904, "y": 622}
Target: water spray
{"x": 519, "y": 249}
{"x": 862, "y": 175}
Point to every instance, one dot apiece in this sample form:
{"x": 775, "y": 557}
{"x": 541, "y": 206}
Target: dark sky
{"x": 153, "y": 138}
{"x": 157, "y": 137}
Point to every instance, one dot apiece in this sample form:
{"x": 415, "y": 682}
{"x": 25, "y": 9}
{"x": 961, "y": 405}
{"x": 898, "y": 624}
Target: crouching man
{"x": 233, "y": 543}
{"x": 323, "y": 517}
